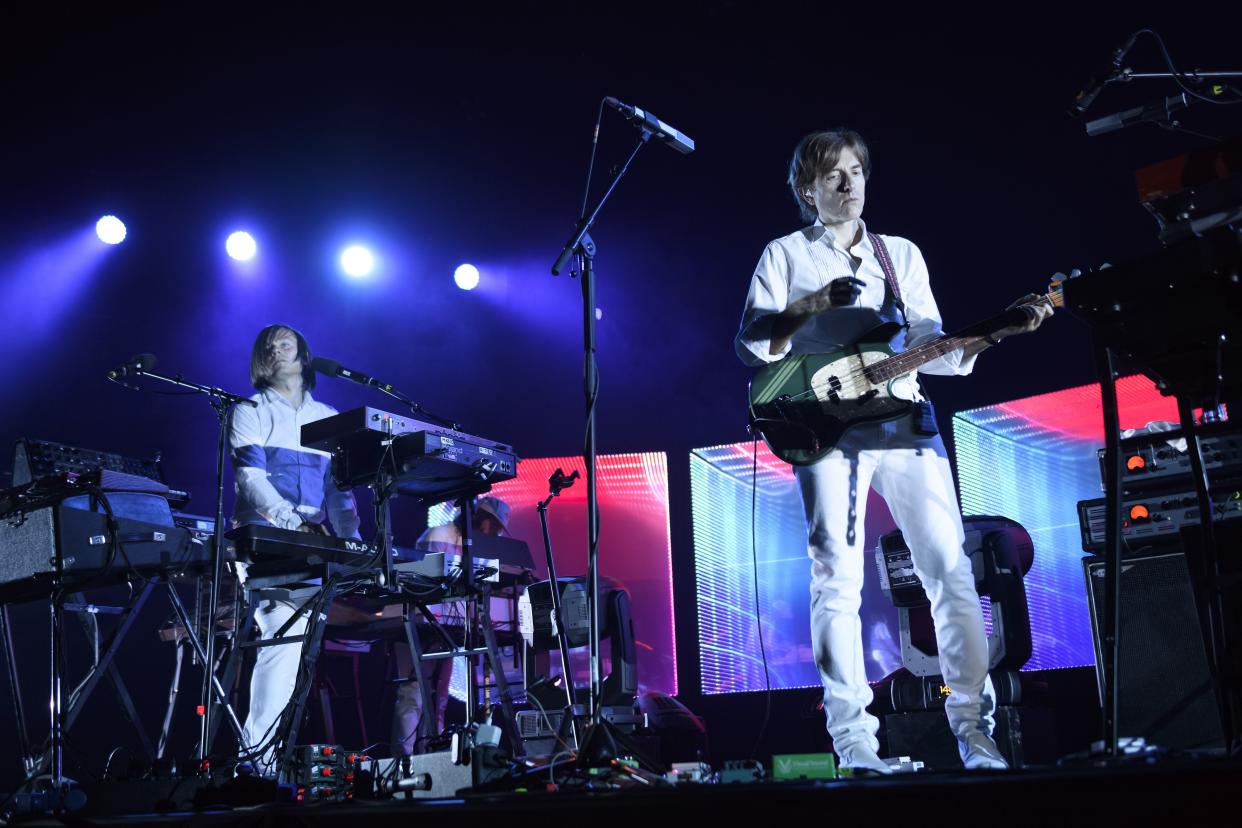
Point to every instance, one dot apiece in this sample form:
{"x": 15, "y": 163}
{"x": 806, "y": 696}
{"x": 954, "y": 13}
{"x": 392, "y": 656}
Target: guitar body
{"x": 803, "y": 405}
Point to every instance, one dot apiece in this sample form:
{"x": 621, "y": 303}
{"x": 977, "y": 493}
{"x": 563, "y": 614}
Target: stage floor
{"x": 1172, "y": 789}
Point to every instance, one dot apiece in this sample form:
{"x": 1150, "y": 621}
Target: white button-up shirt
{"x": 806, "y": 261}
{"x": 278, "y": 480}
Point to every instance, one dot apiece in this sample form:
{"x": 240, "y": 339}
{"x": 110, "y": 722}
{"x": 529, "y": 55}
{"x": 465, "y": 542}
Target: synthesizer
{"x": 1155, "y": 518}
{"x": 1148, "y": 461}
{"x": 424, "y": 459}
{"x": 255, "y": 544}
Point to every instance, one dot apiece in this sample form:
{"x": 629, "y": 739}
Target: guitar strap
{"x": 923, "y": 421}
{"x": 890, "y": 273}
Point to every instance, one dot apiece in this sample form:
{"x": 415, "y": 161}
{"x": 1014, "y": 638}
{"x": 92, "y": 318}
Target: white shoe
{"x": 979, "y": 752}
{"x": 861, "y": 759}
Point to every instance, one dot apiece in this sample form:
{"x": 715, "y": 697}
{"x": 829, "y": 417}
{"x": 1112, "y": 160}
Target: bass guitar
{"x": 803, "y": 405}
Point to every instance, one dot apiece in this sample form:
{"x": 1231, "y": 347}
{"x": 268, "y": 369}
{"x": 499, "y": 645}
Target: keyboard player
{"x": 280, "y": 483}
{"x": 491, "y": 517}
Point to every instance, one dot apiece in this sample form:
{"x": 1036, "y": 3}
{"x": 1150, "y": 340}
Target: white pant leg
{"x": 834, "y": 497}
{"x": 917, "y": 485}
{"x": 275, "y": 672}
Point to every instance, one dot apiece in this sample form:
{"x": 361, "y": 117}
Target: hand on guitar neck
{"x": 1034, "y": 310}
{"x": 1023, "y": 316}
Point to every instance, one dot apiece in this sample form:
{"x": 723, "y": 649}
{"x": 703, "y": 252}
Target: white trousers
{"x": 275, "y": 670}
{"x": 912, "y": 474}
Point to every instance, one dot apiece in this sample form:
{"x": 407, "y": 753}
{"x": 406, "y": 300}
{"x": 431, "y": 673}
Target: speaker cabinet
{"x": 1165, "y": 684}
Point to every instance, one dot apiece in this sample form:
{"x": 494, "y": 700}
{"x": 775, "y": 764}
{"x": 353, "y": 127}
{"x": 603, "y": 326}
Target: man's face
{"x": 838, "y": 196}
{"x": 487, "y": 524}
{"x": 282, "y": 355}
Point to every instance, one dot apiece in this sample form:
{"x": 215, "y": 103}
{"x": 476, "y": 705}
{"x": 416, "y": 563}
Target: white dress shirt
{"x": 805, "y": 261}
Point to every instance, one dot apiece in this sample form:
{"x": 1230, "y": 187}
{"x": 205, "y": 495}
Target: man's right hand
{"x": 313, "y": 528}
{"x": 840, "y": 292}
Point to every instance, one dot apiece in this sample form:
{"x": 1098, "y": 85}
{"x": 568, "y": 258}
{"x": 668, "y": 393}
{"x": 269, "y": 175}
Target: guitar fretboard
{"x": 910, "y": 361}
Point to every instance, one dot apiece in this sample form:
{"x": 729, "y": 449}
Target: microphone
{"x": 332, "y": 368}
{"x": 1107, "y": 74}
{"x": 677, "y": 140}
{"x": 137, "y": 364}
{"x": 415, "y": 782}
{"x": 1158, "y": 111}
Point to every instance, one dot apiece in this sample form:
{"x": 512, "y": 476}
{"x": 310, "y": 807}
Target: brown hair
{"x": 260, "y": 369}
{"x": 816, "y": 155}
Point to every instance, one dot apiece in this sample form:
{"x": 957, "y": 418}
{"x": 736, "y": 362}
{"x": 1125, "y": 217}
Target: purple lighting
{"x": 466, "y": 276}
{"x": 241, "y": 246}
{"x": 45, "y": 283}
{"x": 357, "y": 261}
{"x": 110, "y": 230}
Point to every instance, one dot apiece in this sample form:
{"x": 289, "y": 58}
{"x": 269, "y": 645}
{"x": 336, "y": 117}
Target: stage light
{"x": 466, "y": 276}
{"x": 241, "y": 246}
{"x": 357, "y": 261}
{"x": 110, "y": 230}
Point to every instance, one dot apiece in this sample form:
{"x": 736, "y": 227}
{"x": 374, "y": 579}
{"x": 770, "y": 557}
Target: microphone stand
{"x": 557, "y": 483}
{"x": 581, "y": 247}
{"x": 1158, "y": 112}
{"x": 415, "y": 408}
{"x": 222, "y": 402}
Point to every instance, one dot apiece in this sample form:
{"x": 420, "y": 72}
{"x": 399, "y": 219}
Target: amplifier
{"x": 1164, "y": 677}
{"x": 38, "y": 545}
{"x": 1156, "y": 518}
{"x": 1150, "y": 462}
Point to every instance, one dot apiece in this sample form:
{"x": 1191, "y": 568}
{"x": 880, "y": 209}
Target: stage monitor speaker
{"x": 1166, "y": 693}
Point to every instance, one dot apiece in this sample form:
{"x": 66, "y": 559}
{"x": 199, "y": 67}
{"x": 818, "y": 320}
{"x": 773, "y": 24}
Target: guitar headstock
{"x": 1056, "y": 287}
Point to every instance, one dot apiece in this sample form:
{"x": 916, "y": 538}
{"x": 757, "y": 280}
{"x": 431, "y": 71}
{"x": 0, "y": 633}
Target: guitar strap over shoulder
{"x": 890, "y": 273}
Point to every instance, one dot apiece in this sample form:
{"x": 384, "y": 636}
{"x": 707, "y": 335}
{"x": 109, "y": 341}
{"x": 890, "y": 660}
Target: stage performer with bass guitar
{"x": 840, "y": 320}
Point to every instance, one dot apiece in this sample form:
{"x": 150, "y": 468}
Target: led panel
{"x": 730, "y": 658}
{"x": 1032, "y": 460}
{"x": 635, "y": 550}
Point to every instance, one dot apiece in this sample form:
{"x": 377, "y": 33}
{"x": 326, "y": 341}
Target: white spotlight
{"x": 110, "y": 229}
{"x": 357, "y": 261}
{"x": 241, "y": 246}
{"x": 466, "y": 276}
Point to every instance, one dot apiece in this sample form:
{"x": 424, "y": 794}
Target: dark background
{"x": 440, "y": 138}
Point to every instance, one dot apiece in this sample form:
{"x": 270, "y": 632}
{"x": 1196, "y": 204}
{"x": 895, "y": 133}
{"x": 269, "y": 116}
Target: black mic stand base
{"x": 604, "y": 745}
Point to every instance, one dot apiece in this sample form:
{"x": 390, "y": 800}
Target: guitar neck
{"x": 907, "y": 362}
{"x": 910, "y": 361}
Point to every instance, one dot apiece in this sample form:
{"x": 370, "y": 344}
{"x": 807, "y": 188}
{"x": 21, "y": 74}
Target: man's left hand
{"x": 1037, "y": 310}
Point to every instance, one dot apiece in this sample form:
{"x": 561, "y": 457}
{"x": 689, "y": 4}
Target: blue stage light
{"x": 110, "y": 230}
{"x": 357, "y": 261}
{"x": 241, "y": 246}
{"x": 466, "y": 276}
